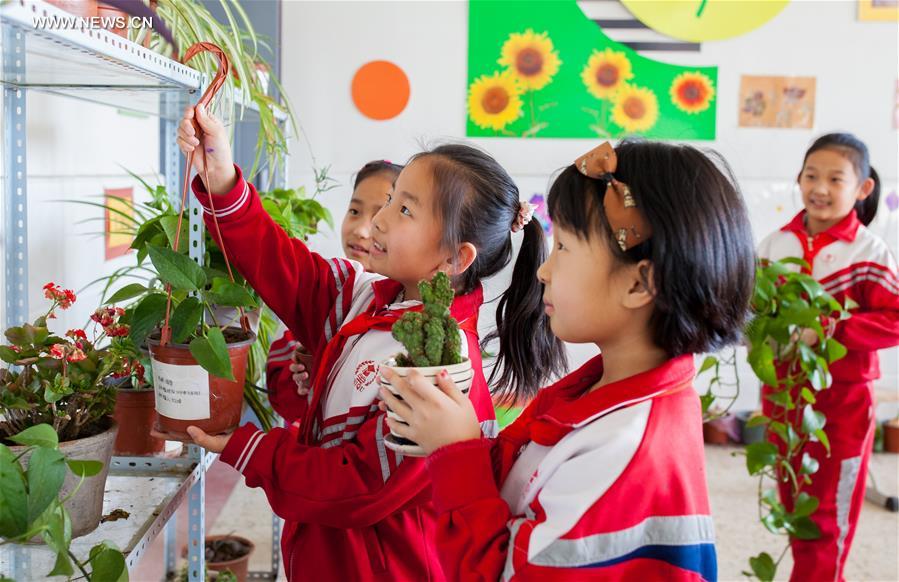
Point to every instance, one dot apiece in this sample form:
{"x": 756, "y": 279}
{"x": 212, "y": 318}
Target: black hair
{"x": 374, "y": 168}
{"x": 701, "y": 246}
{"x": 478, "y": 203}
{"x": 857, "y": 152}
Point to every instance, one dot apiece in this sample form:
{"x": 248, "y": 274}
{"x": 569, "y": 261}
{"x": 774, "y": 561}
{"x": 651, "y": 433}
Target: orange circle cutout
{"x": 380, "y": 90}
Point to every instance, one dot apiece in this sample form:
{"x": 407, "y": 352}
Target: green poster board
{"x": 541, "y": 68}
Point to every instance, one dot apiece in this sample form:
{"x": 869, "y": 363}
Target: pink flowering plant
{"x": 65, "y": 381}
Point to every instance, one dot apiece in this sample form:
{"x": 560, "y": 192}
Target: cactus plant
{"x": 431, "y": 336}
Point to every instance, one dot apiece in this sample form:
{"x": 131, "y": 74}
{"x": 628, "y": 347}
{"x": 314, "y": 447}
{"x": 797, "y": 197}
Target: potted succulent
{"x": 33, "y": 478}
{"x": 433, "y": 344}
{"x": 62, "y": 382}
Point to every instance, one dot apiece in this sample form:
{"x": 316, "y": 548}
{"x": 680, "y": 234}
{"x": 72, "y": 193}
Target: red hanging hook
{"x": 205, "y": 100}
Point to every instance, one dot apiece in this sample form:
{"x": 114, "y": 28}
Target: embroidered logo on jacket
{"x": 365, "y": 375}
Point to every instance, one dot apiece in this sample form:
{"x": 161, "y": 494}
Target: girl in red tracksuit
{"x": 840, "y": 192}
{"x": 287, "y": 377}
{"x": 355, "y": 510}
{"x": 603, "y": 475}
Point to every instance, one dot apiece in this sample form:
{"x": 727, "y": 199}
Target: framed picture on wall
{"x": 787, "y": 102}
{"x": 119, "y": 207}
{"x": 878, "y": 10}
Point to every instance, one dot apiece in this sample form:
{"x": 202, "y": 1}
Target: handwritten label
{"x": 182, "y": 392}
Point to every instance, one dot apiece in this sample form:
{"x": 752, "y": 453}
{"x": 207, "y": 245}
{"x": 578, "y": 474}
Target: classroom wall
{"x": 855, "y": 64}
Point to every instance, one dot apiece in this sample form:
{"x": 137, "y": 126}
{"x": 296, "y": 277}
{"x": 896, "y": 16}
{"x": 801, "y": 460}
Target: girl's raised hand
{"x": 437, "y": 416}
{"x": 218, "y": 149}
{"x": 299, "y": 373}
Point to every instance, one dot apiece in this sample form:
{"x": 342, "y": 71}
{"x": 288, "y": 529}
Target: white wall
{"x": 325, "y": 42}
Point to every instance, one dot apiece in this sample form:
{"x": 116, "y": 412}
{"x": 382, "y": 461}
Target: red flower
{"x": 76, "y": 355}
{"x": 58, "y": 351}
{"x": 64, "y": 297}
{"x": 117, "y": 330}
{"x": 76, "y": 333}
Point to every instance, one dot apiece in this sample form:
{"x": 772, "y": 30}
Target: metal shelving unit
{"x": 101, "y": 67}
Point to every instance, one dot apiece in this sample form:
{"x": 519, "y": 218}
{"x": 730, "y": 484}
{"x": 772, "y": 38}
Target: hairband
{"x": 629, "y": 226}
{"x": 524, "y": 216}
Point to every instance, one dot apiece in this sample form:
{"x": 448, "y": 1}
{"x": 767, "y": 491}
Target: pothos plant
{"x": 785, "y": 303}
{"x": 31, "y": 506}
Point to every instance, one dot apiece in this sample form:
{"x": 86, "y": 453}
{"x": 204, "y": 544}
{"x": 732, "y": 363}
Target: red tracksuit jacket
{"x": 602, "y": 485}
{"x": 850, "y": 262}
{"x": 354, "y": 509}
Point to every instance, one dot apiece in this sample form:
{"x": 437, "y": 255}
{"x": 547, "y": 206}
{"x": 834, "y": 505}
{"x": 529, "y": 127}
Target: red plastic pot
{"x": 225, "y": 397}
{"x": 135, "y": 413}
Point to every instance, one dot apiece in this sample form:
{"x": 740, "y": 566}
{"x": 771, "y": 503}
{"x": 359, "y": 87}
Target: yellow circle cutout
{"x": 702, "y": 20}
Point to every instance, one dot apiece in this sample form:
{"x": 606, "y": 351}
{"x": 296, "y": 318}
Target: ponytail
{"x": 529, "y": 354}
{"x": 867, "y": 209}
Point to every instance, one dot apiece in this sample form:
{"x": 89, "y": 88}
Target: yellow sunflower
{"x": 636, "y": 109}
{"x": 531, "y": 58}
{"x": 606, "y": 72}
{"x": 494, "y": 101}
{"x": 692, "y": 92}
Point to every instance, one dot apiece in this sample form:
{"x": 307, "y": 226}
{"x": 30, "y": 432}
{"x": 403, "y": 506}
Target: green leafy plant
{"x": 431, "y": 336}
{"x": 31, "y": 506}
{"x": 191, "y": 22}
{"x": 60, "y": 381}
{"x": 785, "y": 303}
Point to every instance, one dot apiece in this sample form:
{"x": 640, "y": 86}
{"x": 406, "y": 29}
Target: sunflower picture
{"x": 692, "y": 92}
{"x": 494, "y": 101}
{"x": 530, "y": 57}
{"x": 606, "y": 73}
{"x": 636, "y": 109}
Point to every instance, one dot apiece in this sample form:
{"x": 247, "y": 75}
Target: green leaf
{"x": 186, "y": 319}
{"x": 46, "y": 472}
{"x": 170, "y": 226}
{"x": 59, "y": 537}
{"x": 812, "y": 420}
{"x": 822, "y": 438}
{"x": 759, "y": 456}
{"x": 761, "y": 358}
{"x": 211, "y": 353}
{"x": 8, "y": 355}
{"x": 808, "y": 395}
{"x": 809, "y": 465}
{"x": 763, "y": 567}
{"x": 147, "y": 315}
{"x": 759, "y": 420}
{"x": 835, "y": 350}
{"x": 805, "y": 505}
{"x": 13, "y": 498}
{"x": 108, "y": 563}
{"x": 127, "y": 292}
{"x": 805, "y": 529}
{"x": 40, "y": 435}
{"x": 84, "y": 468}
{"x": 707, "y": 363}
{"x": 177, "y": 269}
{"x": 224, "y": 292}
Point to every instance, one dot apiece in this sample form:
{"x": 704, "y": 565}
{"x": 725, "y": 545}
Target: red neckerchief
{"x": 376, "y": 317}
{"x": 567, "y": 405}
{"x": 844, "y": 230}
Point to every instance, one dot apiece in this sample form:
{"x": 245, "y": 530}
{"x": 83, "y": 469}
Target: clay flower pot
{"x": 86, "y": 506}
{"x": 721, "y": 431}
{"x": 231, "y": 553}
{"x": 891, "y": 436}
{"x": 82, "y": 8}
{"x": 460, "y": 373}
{"x": 135, "y": 412}
{"x": 187, "y": 395}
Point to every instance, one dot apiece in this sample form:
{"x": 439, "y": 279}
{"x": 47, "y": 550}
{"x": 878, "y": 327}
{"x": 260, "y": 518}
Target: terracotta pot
{"x": 239, "y": 566}
{"x": 891, "y": 436}
{"x": 187, "y": 395}
{"x": 86, "y": 506}
{"x": 460, "y": 373}
{"x": 83, "y": 8}
{"x": 135, "y": 412}
{"x": 111, "y": 13}
{"x": 721, "y": 431}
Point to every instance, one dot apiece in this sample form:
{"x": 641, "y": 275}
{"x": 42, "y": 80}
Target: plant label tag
{"x": 182, "y": 392}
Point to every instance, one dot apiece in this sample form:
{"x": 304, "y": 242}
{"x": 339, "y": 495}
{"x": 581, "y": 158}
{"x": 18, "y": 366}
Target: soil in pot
{"x": 228, "y": 553}
{"x": 135, "y": 412}
{"x": 187, "y": 395}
